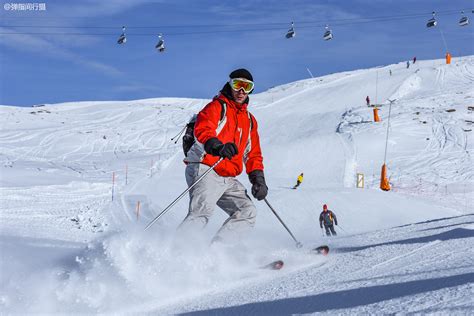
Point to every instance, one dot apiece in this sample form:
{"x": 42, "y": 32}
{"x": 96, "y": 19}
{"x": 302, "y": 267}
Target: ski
{"x": 275, "y": 265}
{"x": 323, "y": 250}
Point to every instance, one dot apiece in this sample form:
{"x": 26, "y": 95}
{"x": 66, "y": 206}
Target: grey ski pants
{"x": 228, "y": 193}
{"x": 329, "y": 230}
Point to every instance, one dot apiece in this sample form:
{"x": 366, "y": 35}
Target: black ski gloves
{"x": 215, "y": 147}
{"x": 259, "y": 187}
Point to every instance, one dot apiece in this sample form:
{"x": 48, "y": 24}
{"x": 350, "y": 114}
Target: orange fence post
{"x": 384, "y": 184}
{"x": 376, "y": 115}
{"x": 138, "y": 210}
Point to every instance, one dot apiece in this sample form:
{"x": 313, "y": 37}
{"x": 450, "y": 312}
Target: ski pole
{"x": 322, "y": 231}
{"x": 298, "y": 244}
{"x": 342, "y": 228}
{"x": 179, "y": 134}
{"x": 182, "y": 194}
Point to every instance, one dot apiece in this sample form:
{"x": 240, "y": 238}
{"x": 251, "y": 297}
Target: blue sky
{"x": 205, "y": 40}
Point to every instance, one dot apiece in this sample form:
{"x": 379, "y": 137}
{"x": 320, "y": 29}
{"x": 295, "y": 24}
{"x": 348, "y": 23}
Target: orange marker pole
{"x": 113, "y": 184}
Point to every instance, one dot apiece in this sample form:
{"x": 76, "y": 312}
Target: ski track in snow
{"x": 405, "y": 251}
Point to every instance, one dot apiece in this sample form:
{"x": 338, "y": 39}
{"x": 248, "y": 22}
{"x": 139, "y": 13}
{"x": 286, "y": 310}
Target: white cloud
{"x": 137, "y": 88}
{"x": 62, "y": 46}
{"x": 35, "y": 44}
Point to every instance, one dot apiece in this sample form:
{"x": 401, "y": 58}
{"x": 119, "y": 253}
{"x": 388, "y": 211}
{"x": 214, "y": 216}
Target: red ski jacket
{"x": 238, "y": 126}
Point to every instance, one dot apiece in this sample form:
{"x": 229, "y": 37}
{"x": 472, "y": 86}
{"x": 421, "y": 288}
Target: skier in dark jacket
{"x": 328, "y": 218}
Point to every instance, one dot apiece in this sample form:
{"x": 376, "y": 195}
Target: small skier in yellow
{"x": 298, "y": 181}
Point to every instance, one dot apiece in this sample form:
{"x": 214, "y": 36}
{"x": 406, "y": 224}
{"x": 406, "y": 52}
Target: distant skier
{"x": 367, "y": 100}
{"x": 390, "y": 72}
{"x": 236, "y": 140}
{"x": 408, "y": 64}
{"x": 414, "y": 59}
{"x": 328, "y": 218}
{"x": 298, "y": 181}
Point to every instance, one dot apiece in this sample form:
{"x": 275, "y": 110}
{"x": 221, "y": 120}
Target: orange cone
{"x": 376, "y": 115}
{"x": 448, "y": 58}
{"x": 384, "y": 184}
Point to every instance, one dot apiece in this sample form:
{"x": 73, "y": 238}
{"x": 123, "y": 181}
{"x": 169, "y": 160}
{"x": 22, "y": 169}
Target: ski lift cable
{"x": 39, "y": 17}
{"x": 361, "y": 21}
{"x": 318, "y": 23}
{"x": 444, "y": 40}
{"x": 200, "y": 32}
{"x": 178, "y": 33}
{"x": 140, "y": 34}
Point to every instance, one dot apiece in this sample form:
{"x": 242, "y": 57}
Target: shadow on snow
{"x": 341, "y": 299}
{"x": 457, "y": 233}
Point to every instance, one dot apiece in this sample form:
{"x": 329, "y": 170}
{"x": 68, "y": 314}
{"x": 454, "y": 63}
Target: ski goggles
{"x": 239, "y": 83}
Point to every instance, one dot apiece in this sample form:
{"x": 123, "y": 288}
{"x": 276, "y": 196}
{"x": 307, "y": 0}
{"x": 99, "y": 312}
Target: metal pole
{"x": 113, "y": 184}
{"x": 442, "y": 37}
{"x": 388, "y": 126}
{"x": 182, "y": 194}
{"x": 376, "y": 86}
{"x": 298, "y": 244}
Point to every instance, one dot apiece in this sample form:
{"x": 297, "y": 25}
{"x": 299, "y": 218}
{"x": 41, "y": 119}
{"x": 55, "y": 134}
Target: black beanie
{"x": 241, "y": 73}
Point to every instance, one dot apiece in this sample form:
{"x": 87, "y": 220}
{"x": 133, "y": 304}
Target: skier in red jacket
{"x": 232, "y": 135}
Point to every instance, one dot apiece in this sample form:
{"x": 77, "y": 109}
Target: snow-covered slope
{"x": 66, "y": 246}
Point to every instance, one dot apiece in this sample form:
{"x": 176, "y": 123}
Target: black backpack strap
{"x": 251, "y": 118}
{"x": 223, "y": 108}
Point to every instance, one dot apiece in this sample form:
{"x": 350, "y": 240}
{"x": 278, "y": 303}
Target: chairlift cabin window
{"x": 431, "y": 22}
{"x": 327, "y": 35}
{"x": 291, "y": 32}
{"x": 161, "y": 44}
{"x": 463, "y": 21}
{"x": 122, "y": 38}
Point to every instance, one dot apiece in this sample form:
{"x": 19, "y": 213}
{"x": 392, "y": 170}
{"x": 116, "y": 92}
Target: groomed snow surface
{"x": 67, "y": 247}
